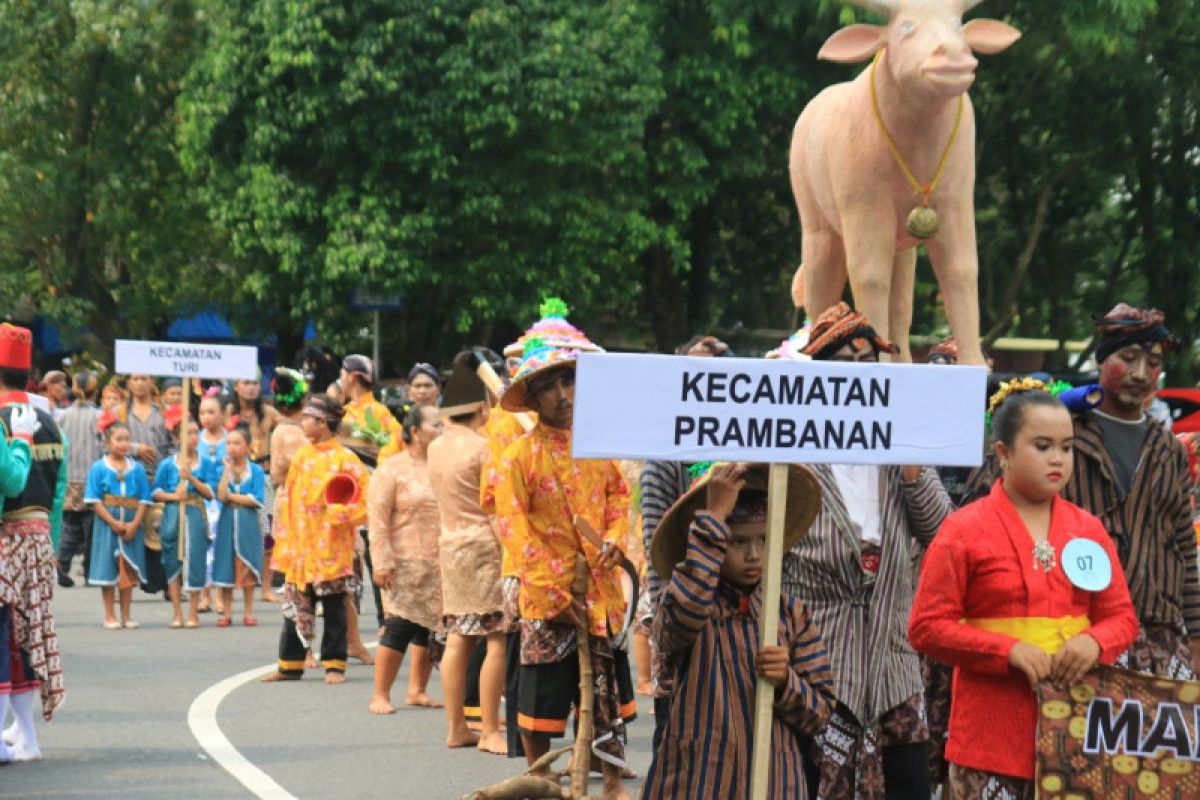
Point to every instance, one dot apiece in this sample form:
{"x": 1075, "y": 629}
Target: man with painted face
{"x": 854, "y": 571}
{"x": 1132, "y": 474}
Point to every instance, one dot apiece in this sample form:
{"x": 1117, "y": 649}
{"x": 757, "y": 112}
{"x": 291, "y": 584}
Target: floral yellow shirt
{"x": 501, "y": 430}
{"x": 319, "y": 545}
{"x": 539, "y": 491}
{"x": 356, "y": 413}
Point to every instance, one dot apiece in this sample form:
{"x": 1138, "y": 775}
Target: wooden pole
{"x": 184, "y": 460}
{"x": 764, "y": 696}
{"x": 492, "y": 381}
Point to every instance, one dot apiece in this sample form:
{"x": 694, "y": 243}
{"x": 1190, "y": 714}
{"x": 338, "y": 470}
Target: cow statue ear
{"x": 854, "y": 44}
{"x": 989, "y": 36}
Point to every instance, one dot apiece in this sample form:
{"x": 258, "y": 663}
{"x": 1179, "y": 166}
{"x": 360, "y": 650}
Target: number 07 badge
{"x": 1087, "y": 565}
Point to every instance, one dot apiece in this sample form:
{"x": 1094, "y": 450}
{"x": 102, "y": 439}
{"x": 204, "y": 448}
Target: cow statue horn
{"x": 969, "y": 4}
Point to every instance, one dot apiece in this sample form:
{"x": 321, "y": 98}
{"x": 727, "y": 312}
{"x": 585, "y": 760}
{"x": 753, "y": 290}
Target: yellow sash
{"x": 1048, "y": 633}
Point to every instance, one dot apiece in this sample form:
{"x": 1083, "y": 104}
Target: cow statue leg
{"x": 870, "y": 259}
{"x": 822, "y": 272}
{"x": 956, "y": 265}
{"x": 900, "y": 312}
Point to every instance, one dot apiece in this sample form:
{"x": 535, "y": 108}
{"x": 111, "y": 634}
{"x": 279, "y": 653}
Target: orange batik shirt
{"x": 501, "y": 430}
{"x": 319, "y": 545}
{"x": 356, "y": 413}
{"x": 539, "y": 490}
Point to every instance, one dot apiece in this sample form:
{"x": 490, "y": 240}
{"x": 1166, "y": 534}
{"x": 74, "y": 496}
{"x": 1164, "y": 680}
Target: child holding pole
{"x": 183, "y": 487}
{"x": 710, "y": 548}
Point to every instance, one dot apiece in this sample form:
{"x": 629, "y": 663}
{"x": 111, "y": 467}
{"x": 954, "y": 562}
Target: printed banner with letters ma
{"x": 776, "y": 411}
{"x": 1119, "y": 734}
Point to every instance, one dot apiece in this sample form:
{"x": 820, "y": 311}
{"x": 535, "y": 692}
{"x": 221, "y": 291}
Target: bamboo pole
{"x": 764, "y": 695}
{"x": 184, "y": 461}
{"x": 492, "y": 381}
{"x": 581, "y": 761}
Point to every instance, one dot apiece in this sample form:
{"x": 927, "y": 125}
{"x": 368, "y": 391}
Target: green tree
{"x": 98, "y": 225}
{"x": 469, "y": 155}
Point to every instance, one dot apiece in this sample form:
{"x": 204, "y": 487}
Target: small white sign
{"x": 1087, "y": 565}
{"x": 186, "y": 360}
{"x": 777, "y": 411}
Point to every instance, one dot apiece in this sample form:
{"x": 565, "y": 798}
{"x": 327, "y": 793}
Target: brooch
{"x": 1043, "y": 554}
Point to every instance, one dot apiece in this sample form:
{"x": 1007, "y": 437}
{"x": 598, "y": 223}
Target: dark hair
{"x": 1009, "y": 416}
{"x": 113, "y": 427}
{"x": 257, "y": 403}
{"x": 331, "y": 410}
{"x": 14, "y": 379}
{"x": 241, "y": 429}
{"x": 412, "y": 419}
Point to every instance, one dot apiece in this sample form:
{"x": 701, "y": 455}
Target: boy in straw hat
{"x": 546, "y": 501}
{"x": 709, "y": 547}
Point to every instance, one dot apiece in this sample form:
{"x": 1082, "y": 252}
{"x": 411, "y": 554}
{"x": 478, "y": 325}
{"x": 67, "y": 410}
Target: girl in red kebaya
{"x": 1000, "y": 602}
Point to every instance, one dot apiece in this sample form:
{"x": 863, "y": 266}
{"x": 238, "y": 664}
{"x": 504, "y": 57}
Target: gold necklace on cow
{"x": 922, "y": 221}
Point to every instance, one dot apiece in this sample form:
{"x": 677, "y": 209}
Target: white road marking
{"x": 202, "y": 719}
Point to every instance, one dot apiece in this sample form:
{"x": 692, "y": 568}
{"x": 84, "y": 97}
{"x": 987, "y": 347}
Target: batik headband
{"x": 428, "y": 370}
{"x": 839, "y": 326}
{"x": 325, "y": 407}
{"x": 1127, "y": 325}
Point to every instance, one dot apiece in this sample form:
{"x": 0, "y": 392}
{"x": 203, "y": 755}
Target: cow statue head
{"x": 929, "y": 49}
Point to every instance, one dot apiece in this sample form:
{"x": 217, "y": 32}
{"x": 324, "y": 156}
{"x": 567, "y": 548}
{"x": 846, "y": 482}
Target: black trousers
{"x": 76, "y": 538}
{"x": 333, "y": 639}
{"x": 370, "y": 570}
{"x": 471, "y": 709}
{"x": 512, "y": 690}
{"x": 156, "y": 577}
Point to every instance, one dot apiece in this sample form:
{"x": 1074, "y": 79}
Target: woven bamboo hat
{"x": 668, "y": 546}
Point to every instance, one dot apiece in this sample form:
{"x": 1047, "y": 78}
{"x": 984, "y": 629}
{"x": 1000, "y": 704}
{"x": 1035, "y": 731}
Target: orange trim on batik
{"x": 472, "y": 713}
{"x": 290, "y": 666}
{"x": 629, "y": 711}
{"x": 334, "y": 664}
{"x": 534, "y": 725}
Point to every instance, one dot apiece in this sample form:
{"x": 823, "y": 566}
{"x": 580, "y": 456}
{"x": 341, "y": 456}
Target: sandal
{"x": 192, "y": 623}
{"x": 176, "y": 623}
{"x": 249, "y": 622}
{"x": 224, "y": 622}
{"x": 130, "y": 625}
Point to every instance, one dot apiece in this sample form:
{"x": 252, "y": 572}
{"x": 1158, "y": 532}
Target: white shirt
{"x": 859, "y": 485}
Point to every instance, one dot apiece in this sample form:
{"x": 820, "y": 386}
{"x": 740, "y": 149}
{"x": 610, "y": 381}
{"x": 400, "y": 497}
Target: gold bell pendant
{"x": 922, "y": 223}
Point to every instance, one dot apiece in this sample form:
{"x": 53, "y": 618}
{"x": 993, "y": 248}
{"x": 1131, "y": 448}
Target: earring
{"x": 1004, "y": 465}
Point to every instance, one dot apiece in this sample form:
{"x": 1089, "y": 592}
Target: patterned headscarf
{"x": 428, "y": 370}
{"x": 326, "y": 407}
{"x": 1126, "y": 325}
{"x": 944, "y": 352}
{"x": 840, "y": 325}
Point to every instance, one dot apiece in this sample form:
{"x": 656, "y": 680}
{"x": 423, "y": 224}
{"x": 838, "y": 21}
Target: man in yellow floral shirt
{"x": 358, "y": 382}
{"x": 324, "y": 501}
{"x": 540, "y": 493}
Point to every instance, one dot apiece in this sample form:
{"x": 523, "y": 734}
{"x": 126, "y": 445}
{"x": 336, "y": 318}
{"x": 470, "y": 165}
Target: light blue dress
{"x": 213, "y": 454}
{"x": 107, "y": 546}
{"x": 195, "y": 550}
{"x": 238, "y": 533}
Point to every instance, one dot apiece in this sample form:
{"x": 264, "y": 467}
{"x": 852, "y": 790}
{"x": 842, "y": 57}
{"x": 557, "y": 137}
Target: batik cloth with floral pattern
{"x": 540, "y": 492}
{"x": 356, "y": 415}
{"x": 320, "y": 536}
{"x": 501, "y": 430}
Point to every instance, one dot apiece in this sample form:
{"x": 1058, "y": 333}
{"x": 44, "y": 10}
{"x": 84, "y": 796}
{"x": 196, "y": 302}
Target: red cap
{"x": 16, "y": 347}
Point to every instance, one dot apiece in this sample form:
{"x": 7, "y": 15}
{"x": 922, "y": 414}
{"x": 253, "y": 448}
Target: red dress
{"x": 981, "y": 567}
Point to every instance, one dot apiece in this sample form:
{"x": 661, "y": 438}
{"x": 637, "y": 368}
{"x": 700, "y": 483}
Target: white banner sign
{"x": 777, "y": 411}
{"x": 186, "y": 360}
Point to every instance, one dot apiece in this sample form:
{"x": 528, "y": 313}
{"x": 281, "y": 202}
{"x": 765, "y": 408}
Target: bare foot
{"x": 493, "y": 743}
{"x": 615, "y": 792}
{"x": 277, "y": 676}
{"x": 334, "y": 677}
{"x": 645, "y": 689}
{"x": 310, "y": 661}
{"x": 270, "y": 597}
{"x": 465, "y": 739}
{"x": 362, "y": 654}
{"x": 381, "y": 704}
{"x": 422, "y": 700}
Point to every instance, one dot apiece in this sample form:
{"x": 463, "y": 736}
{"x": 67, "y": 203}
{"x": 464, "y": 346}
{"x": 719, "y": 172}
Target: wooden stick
{"x": 184, "y": 460}
{"x": 492, "y": 381}
{"x": 764, "y": 696}
{"x": 582, "y": 759}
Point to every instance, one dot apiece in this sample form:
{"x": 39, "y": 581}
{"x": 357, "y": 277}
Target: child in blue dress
{"x": 238, "y": 548}
{"x": 183, "y": 491}
{"x": 119, "y": 495}
{"x": 211, "y": 449}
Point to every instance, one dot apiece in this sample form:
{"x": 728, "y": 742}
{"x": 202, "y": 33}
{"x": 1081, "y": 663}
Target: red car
{"x": 1185, "y": 408}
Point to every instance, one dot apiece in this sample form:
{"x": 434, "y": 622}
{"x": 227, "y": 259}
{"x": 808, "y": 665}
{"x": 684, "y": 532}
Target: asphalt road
{"x": 123, "y": 731}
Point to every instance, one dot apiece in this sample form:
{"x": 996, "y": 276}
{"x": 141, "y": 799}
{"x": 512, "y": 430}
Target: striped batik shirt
{"x": 708, "y": 632}
{"x": 1151, "y": 526}
{"x": 662, "y": 483}
{"x": 863, "y": 616}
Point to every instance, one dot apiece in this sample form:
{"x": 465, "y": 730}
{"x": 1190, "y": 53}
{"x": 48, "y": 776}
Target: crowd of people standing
{"x": 463, "y": 511}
